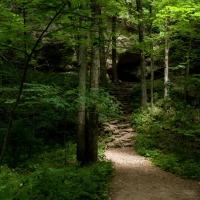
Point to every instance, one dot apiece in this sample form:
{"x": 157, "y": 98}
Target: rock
{"x": 121, "y": 130}
{"x": 126, "y": 139}
{"x": 127, "y": 145}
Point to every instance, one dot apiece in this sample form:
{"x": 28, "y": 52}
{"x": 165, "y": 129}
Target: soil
{"x": 136, "y": 178}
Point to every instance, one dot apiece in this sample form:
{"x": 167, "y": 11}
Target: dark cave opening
{"x": 127, "y": 67}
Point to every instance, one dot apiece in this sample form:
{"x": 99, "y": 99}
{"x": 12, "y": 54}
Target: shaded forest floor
{"x": 136, "y": 178}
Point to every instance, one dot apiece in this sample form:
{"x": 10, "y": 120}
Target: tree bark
{"x": 166, "y": 71}
{"x": 152, "y": 56}
{"x": 102, "y": 52}
{"x": 114, "y": 51}
{"x": 82, "y": 107}
{"x": 152, "y": 77}
{"x": 103, "y": 67}
{"x": 92, "y": 134}
{"x": 142, "y": 58}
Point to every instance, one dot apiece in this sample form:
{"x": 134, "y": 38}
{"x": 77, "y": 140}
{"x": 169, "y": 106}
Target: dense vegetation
{"x": 41, "y": 152}
{"x": 47, "y": 177}
{"x": 169, "y": 133}
{"x": 55, "y": 93}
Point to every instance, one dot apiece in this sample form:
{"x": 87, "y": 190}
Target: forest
{"x": 59, "y": 61}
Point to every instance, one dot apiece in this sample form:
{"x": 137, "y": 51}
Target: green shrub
{"x": 170, "y": 136}
{"x": 71, "y": 182}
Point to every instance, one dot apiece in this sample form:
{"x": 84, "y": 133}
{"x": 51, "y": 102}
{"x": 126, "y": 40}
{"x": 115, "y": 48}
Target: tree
{"x": 81, "y": 136}
{"x": 102, "y": 50}
{"x": 92, "y": 134}
{"x": 26, "y": 63}
{"x": 166, "y": 71}
{"x": 152, "y": 54}
{"x": 142, "y": 54}
{"x": 114, "y": 51}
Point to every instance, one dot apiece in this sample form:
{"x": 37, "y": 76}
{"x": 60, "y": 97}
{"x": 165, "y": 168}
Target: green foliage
{"x": 54, "y": 174}
{"x": 136, "y": 92}
{"x": 45, "y": 113}
{"x": 169, "y": 135}
{"x": 70, "y": 182}
{"x": 107, "y": 105}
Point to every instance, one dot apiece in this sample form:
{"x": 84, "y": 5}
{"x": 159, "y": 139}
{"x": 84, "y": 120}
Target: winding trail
{"x": 136, "y": 178}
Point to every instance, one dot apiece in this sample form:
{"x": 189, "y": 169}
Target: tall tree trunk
{"x": 114, "y": 51}
{"x": 152, "y": 77}
{"x": 142, "y": 58}
{"x": 152, "y": 55}
{"x": 103, "y": 67}
{"x": 102, "y": 52}
{"x": 82, "y": 107}
{"x": 92, "y": 134}
{"x": 166, "y": 71}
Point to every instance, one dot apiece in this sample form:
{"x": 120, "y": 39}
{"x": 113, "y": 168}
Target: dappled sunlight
{"x": 127, "y": 157}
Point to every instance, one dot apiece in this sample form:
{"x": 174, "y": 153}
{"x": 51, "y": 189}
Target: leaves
{"x": 51, "y": 183}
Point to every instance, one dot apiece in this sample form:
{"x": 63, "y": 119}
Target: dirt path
{"x": 136, "y": 178}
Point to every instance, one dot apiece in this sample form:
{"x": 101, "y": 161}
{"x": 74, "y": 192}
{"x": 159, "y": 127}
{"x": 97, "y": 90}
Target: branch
{"x": 23, "y": 80}
{"x": 3, "y": 45}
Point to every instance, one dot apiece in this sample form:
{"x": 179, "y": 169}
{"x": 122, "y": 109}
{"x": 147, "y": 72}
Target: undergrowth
{"x": 49, "y": 177}
{"x": 169, "y": 134}
{"x": 36, "y": 163}
{"x": 171, "y": 139}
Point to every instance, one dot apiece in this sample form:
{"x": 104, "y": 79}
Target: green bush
{"x": 71, "y": 182}
{"x": 169, "y": 135}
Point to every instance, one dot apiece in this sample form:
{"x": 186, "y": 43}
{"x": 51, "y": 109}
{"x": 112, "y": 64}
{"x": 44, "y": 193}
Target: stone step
{"x": 127, "y": 135}
{"x": 114, "y": 122}
{"x": 122, "y": 131}
{"x": 118, "y": 136}
{"x": 119, "y": 132}
{"x": 126, "y": 140}
{"x": 128, "y": 144}
{"x": 130, "y": 130}
{"x": 123, "y": 125}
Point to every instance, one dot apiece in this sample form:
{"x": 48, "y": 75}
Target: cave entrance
{"x": 127, "y": 67}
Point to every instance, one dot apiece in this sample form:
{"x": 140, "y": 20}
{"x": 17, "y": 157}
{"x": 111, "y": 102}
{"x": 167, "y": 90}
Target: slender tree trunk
{"x": 166, "y": 71}
{"x": 142, "y": 58}
{"x": 82, "y": 107}
{"x": 152, "y": 56}
{"x": 102, "y": 52}
{"x": 114, "y": 51}
{"x": 103, "y": 67}
{"x": 152, "y": 77}
{"x": 92, "y": 134}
